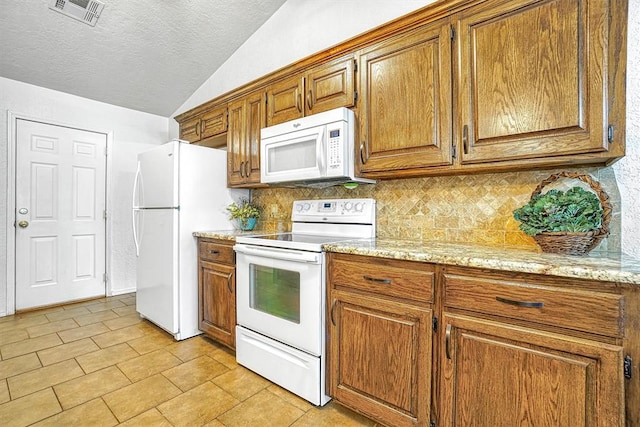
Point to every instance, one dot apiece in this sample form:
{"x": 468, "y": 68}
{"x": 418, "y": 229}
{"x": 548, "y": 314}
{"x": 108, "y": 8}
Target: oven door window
{"x": 275, "y": 291}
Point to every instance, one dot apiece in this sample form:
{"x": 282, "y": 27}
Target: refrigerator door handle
{"x": 135, "y": 210}
{"x": 136, "y": 182}
{"x": 134, "y": 213}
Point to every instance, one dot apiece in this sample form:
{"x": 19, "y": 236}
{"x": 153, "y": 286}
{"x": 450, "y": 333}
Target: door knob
{"x": 23, "y": 224}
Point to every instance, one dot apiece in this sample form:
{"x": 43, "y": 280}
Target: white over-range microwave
{"x": 315, "y": 151}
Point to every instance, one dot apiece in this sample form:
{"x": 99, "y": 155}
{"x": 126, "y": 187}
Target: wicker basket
{"x": 568, "y": 243}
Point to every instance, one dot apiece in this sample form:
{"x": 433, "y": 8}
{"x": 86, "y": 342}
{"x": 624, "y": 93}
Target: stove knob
{"x": 298, "y": 207}
{"x": 359, "y": 207}
{"x": 306, "y": 206}
{"x": 348, "y": 206}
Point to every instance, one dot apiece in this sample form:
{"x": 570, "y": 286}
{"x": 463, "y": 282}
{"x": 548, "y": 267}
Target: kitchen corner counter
{"x": 596, "y": 266}
{"x": 224, "y": 234}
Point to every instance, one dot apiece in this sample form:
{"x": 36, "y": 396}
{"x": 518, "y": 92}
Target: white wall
{"x": 132, "y": 131}
{"x": 303, "y": 27}
{"x": 627, "y": 170}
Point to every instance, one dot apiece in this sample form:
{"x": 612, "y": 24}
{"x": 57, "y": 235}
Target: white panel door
{"x": 60, "y": 203}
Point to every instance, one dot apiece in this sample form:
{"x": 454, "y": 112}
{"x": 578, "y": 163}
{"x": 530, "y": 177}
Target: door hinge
{"x": 105, "y": 278}
{"x": 104, "y": 214}
{"x": 454, "y": 151}
{"x": 434, "y": 324}
{"x": 610, "y": 133}
{"x": 452, "y": 33}
{"x": 355, "y": 65}
{"x": 355, "y": 96}
{"x": 627, "y": 367}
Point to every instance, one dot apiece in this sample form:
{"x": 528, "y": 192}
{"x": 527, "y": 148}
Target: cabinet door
{"x": 532, "y": 79}
{"x": 405, "y": 107}
{"x": 190, "y": 130}
{"x": 214, "y": 122}
{"x": 494, "y": 374}
{"x": 284, "y": 100}
{"x": 217, "y": 302}
{"x": 255, "y": 120}
{"x": 379, "y": 359}
{"x": 330, "y": 86}
{"x": 236, "y": 145}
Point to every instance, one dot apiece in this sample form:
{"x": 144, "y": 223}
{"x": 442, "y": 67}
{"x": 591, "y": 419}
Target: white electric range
{"x": 281, "y": 293}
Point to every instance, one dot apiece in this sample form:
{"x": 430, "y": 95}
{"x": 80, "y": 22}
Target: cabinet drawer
{"x": 582, "y": 310}
{"x": 216, "y": 252}
{"x": 380, "y": 276}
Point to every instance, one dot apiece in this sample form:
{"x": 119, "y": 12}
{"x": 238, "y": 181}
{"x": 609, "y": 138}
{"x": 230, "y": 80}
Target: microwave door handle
{"x": 321, "y": 152}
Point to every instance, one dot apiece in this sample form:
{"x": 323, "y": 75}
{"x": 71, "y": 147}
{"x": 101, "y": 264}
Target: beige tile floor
{"x": 96, "y": 363}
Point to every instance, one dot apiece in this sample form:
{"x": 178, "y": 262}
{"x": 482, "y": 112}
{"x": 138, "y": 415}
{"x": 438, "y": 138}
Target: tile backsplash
{"x": 461, "y": 208}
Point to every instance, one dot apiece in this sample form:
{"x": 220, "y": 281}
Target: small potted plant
{"x": 571, "y": 222}
{"x": 245, "y": 213}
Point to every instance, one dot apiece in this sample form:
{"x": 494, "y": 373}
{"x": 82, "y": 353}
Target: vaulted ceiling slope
{"x": 147, "y": 55}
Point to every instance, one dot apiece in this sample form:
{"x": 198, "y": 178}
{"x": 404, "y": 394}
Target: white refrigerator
{"x": 178, "y": 189}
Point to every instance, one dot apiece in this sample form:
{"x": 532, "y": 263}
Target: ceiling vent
{"x": 87, "y": 11}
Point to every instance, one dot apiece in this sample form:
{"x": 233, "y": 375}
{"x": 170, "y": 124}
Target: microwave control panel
{"x": 334, "y": 151}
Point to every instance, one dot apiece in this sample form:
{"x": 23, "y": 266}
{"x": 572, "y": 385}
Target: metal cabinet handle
{"x": 246, "y": 169}
{"x": 530, "y": 304}
{"x": 309, "y": 99}
{"x": 298, "y": 102}
{"x": 214, "y": 252}
{"x": 447, "y": 341}
{"x": 465, "y": 139}
{"x": 198, "y": 129}
{"x": 242, "y": 169}
{"x": 229, "y": 282}
{"x": 333, "y": 306}
{"x": 363, "y": 157}
{"x": 375, "y": 279}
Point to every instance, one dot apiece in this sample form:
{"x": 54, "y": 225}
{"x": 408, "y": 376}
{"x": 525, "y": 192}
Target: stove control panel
{"x": 361, "y": 211}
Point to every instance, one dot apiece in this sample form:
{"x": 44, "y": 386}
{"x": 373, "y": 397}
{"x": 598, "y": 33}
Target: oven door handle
{"x": 281, "y": 254}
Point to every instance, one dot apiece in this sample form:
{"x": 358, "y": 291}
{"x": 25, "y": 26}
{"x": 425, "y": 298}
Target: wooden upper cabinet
{"x": 532, "y": 79}
{"x": 246, "y": 117}
{"x": 211, "y": 123}
{"x": 460, "y": 86}
{"x": 330, "y": 86}
{"x": 324, "y": 87}
{"x": 284, "y": 100}
{"x": 405, "y": 102}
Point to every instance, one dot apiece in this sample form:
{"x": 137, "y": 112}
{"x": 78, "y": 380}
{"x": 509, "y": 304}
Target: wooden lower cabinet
{"x": 509, "y": 349}
{"x": 380, "y": 350}
{"x": 217, "y": 291}
{"x": 496, "y": 374}
{"x": 519, "y": 349}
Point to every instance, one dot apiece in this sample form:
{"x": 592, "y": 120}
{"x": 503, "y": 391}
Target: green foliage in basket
{"x": 243, "y": 210}
{"x": 577, "y": 210}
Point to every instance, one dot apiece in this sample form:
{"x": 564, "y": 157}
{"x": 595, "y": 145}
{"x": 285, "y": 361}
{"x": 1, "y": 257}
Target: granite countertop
{"x": 224, "y": 234}
{"x": 596, "y": 266}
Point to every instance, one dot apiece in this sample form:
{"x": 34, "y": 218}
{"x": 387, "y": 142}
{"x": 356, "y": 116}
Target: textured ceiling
{"x": 148, "y": 55}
